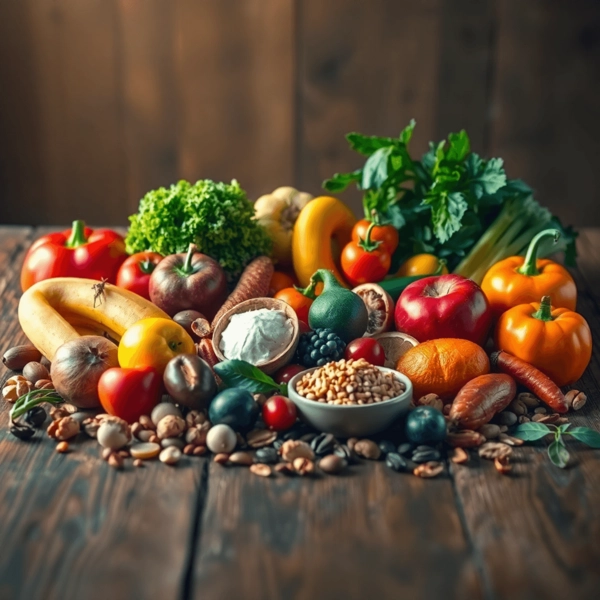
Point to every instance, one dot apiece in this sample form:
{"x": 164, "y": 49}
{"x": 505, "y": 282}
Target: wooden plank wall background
{"x": 102, "y": 100}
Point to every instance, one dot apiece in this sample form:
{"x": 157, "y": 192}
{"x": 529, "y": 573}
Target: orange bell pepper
{"x": 517, "y": 280}
{"x": 557, "y": 341}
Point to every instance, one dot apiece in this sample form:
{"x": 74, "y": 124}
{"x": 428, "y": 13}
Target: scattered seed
{"x": 241, "y": 458}
{"x": 503, "y": 465}
{"x": 221, "y": 458}
{"x": 62, "y": 447}
{"x": 115, "y": 461}
{"x": 398, "y": 463}
{"x": 260, "y": 469}
{"x": 170, "y": 455}
{"x": 261, "y": 437}
{"x": 492, "y": 450}
{"x": 429, "y": 469}
{"x": 367, "y": 449}
{"x": 459, "y": 456}
{"x": 138, "y": 462}
{"x": 332, "y": 464}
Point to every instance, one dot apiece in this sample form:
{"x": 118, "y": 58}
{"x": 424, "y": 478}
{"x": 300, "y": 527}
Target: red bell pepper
{"x": 76, "y": 252}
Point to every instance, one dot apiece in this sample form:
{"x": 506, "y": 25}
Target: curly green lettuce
{"x": 217, "y": 217}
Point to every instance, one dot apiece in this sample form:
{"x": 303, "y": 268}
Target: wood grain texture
{"x": 371, "y": 533}
{"x": 368, "y": 67}
{"x": 235, "y": 70}
{"x": 73, "y": 527}
{"x": 545, "y": 120}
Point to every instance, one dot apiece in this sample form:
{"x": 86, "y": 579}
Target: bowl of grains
{"x": 350, "y": 398}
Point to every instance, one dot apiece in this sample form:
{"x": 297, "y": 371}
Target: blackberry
{"x": 319, "y": 347}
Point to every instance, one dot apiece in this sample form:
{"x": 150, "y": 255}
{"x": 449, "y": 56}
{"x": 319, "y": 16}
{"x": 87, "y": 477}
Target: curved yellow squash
{"x": 58, "y": 310}
{"x": 322, "y": 223}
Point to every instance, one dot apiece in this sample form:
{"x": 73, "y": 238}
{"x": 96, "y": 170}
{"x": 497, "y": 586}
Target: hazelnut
{"x": 367, "y": 449}
{"x": 34, "y": 371}
{"x": 195, "y": 417}
{"x": 170, "y": 426}
{"x": 113, "y": 433}
{"x": 303, "y": 466}
{"x": 196, "y": 436}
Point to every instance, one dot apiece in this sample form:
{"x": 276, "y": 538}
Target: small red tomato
{"x": 386, "y": 234}
{"x": 134, "y": 274}
{"x": 368, "y": 348}
{"x": 279, "y": 413}
{"x": 286, "y": 373}
{"x": 365, "y": 261}
{"x": 129, "y": 393}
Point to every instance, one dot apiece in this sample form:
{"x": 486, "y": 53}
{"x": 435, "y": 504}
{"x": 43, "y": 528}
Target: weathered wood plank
{"x": 150, "y": 95}
{"x": 543, "y": 106}
{"x": 74, "y": 60}
{"x": 71, "y": 526}
{"x": 367, "y": 67}
{"x": 235, "y": 68}
{"x": 369, "y": 534}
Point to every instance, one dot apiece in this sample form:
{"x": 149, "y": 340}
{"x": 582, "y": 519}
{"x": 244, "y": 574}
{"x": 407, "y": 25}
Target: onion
{"x": 77, "y": 366}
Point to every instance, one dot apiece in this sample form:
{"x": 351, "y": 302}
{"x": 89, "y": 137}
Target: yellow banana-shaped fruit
{"x": 323, "y": 223}
{"x": 58, "y": 310}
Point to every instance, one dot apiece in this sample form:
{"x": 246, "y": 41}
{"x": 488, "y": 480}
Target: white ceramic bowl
{"x": 355, "y": 420}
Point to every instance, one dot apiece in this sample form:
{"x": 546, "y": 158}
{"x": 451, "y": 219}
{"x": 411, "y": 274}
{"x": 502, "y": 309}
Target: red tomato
{"x": 297, "y": 300}
{"x": 134, "y": 274}
{"x": 279, "y": 413}
{"x": 129, "y": 393}
{"x": 286, "y": 373}
{"x": 365, "y": 261}
{"x": 386, "y": 234}
{"x": 368, "y": 348}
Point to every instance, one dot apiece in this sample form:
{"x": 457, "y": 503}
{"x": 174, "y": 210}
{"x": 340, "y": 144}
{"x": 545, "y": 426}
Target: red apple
{"x": 444, "y": 306}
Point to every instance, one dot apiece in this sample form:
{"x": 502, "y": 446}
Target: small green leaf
{"x": 558, "y": 454}
{"x": 368, "y": 144}
{"x": 530, "y": 432}
{"x": 563, "y": 428}
{"x": 587, "y": 436}
{"x": 407, "y": 132}
{"x": 459, "y": 146}
{"x": 375, "y": 171}
{"x": 340, "y": 181}
{"x": 239, "y": 373}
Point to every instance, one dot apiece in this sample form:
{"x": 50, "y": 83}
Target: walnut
{"x": 432, "y": 400}
{"x": 58, "y": 412}
{"x": 196, "y": 436}
{"x": 170, "y": 426}
{"x": 292, "y": 449}
{"x": 64, "y": 428}
{"x": 196, "y": 417}
{"x": 91, "y": 426}
{"x": 492, "y": 450}
{"x": 113, "y": 433}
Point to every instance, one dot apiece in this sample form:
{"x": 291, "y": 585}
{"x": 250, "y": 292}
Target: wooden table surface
{"x": 71, "y": 527}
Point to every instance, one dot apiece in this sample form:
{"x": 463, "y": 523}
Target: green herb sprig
{"x": 557, "y": 450}
{"x": 33, "y": 398}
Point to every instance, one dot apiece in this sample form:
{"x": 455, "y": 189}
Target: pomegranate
{"x": 380, "y": 308}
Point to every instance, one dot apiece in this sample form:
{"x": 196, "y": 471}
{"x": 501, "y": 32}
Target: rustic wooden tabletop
{"x": 73, "y": 527}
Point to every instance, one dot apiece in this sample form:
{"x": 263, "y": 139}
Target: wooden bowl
{"x": 284, "y": 357}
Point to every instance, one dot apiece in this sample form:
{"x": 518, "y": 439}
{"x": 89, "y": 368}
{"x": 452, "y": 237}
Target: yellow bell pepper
{"x": 420, "y": 264}
{"x": 322, "y": 221}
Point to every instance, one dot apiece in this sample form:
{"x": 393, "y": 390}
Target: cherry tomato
{"x": 134, "y": 274}
{"x": 286, "y": 373}
{"x": 279, "y": 413}
{"x": 129, "y": 393}
{"x": 368, "y": 348}
{"x": 297, "y": 300}
{"x": 279, "y": 281}
{"x": 365, "y": 261}
{"x": 386, "y": 234}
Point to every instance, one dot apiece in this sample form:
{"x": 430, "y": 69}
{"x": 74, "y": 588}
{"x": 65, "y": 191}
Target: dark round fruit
{"x": 425, "y": 425}
{"x": 234, "y": 407}
{"x": 286, "y": 373}
{"x": 22, "y": 431}
{"x": 35, "y": 416}
{"x": 319, "y": 347}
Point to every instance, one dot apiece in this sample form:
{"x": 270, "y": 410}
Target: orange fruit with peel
{"x": 443, "y": 366}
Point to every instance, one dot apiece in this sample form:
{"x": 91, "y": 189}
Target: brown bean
{"x": 480, "y": 399}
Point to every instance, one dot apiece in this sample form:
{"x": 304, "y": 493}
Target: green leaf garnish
{"x": 586, "y": 435}
{"x": 558, "y": 454}
{"x": 530, "y": 432}
{"x": 241, "y": 374}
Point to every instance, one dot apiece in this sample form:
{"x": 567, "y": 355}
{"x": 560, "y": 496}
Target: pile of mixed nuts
{"x": 171, "y": 431}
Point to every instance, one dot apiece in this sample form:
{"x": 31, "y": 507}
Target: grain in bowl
{"x": 349, "y": 382}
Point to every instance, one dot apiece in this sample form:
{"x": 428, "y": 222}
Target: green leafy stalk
{"x": 33, "y": 398}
